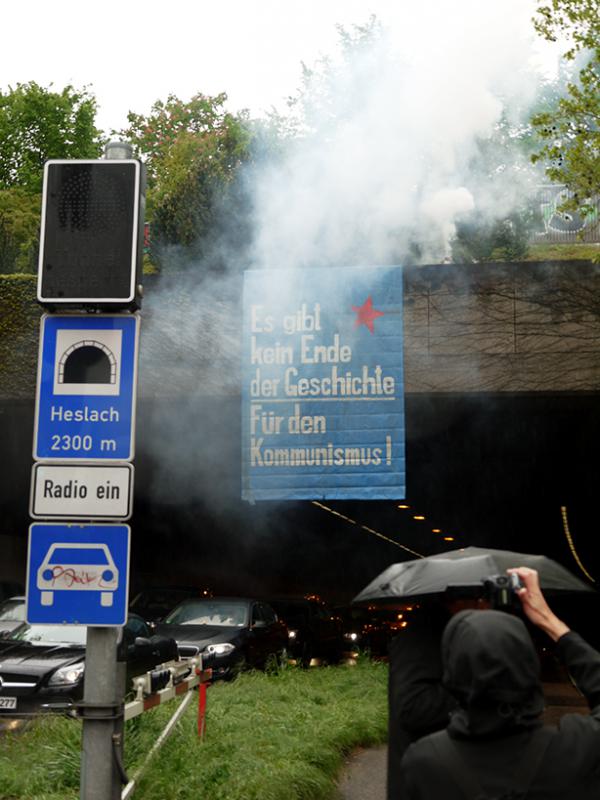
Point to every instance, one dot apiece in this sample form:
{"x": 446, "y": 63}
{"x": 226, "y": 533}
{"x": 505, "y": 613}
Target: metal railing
{"x": 176, "y": 678}
{"x": 563, "y": 227}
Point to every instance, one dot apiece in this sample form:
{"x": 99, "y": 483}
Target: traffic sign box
{"x": 78, "y": 574}
{"x": 81, "y": 491}
{"x": 92, "y": 233}
{"x": 86, "y": 388}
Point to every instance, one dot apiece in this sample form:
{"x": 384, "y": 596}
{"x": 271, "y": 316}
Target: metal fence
{"x": 565, "y": 226}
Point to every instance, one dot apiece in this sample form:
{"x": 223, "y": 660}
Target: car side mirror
{"x": 141, "y": 641}
{"x": 260, "y": 623}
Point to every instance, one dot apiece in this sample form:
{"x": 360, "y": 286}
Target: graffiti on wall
{"x": 566, "y": 226}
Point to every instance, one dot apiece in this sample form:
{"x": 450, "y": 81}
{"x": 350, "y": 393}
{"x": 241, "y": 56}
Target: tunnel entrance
{"x": 488, "y": 470}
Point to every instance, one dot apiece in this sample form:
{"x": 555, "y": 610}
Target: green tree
{"x": 502, "y": 224}
{"x": 192, "y": 152}
{"x": 319, "y": 106}
{"x": 570, "y": 129}
{"x": 19, "y": 230}
{"x": 36, "y": 124}
{"x": 480, "y": 238}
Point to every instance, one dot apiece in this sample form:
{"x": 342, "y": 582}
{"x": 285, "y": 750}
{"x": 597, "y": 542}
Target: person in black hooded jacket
{"x": 418, "y": 702}
{"x": 495, "y": 746}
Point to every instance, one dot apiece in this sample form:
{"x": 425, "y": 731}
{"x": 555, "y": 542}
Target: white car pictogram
{"x": 77, "y": 567}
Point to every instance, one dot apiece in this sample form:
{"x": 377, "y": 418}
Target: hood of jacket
{"x": 492, "y": 669}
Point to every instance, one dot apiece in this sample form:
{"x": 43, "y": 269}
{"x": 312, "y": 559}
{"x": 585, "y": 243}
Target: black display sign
{"x": 92, "y": 228}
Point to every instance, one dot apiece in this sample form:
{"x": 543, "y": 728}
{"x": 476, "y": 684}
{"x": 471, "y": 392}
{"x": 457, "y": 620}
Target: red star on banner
{"x": 366, "y": 314}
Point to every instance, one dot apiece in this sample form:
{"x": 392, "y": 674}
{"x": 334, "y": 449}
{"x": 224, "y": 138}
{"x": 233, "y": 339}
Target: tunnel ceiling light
{"x": 436, "y": 530}
{"x": 403, "y": 506}
{"x": 448, "y": 538}
{"x": 569, "y": 538}
{"x": 419, "y": 517}
{"x": 366, "y": 528}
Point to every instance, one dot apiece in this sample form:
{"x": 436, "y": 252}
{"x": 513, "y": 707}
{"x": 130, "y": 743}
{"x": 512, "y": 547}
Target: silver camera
{"x": 501, "y": 590}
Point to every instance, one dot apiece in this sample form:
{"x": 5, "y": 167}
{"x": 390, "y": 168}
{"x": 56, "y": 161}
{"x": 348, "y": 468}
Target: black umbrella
{"x": 466, "y": 568}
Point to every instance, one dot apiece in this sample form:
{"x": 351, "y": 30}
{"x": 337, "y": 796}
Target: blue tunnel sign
{"x": 87, "y": 375}
{"x": 322, "y": 394}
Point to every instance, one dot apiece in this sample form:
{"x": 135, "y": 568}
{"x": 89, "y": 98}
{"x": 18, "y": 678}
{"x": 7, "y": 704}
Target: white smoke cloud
{"x": 444, "y": 206}
{"x": 390, "y": 157}
{"x": 388, "y": 163}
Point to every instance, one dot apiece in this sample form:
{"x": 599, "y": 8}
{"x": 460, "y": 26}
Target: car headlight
{"x": 352, "y": 636}
{"x": 220, "y": 649}
{"x": 292, "y": 634}
{"x": 67, "y": 676}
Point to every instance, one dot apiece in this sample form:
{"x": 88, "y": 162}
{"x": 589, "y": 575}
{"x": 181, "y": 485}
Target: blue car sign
{"x": 78, "y": 574}
{"x": 77, "y": 567}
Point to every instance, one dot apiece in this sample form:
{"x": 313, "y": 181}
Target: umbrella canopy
{"x": 465, "y": 568}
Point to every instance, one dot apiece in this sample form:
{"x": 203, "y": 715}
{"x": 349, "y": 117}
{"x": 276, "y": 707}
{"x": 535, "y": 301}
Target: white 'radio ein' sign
{"x": 81, "y": 491}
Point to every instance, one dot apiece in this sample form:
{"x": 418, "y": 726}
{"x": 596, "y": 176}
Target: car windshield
{"x": 209, "y": 612}
{"x": 50, "y": 634}
{"x": 291, "y": 612}
{"x": 167, "y": 598}
{"x": 12, "y": 610}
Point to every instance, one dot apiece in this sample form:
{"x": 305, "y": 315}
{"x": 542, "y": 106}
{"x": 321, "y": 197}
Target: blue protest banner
{"x": 322, "y": 384}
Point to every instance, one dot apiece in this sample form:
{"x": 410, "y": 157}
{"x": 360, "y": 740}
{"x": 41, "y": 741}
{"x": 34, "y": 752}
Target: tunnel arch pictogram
{"x": 87, "y": 361}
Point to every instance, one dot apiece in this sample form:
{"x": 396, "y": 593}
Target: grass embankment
{"x": 268, "y": 737}
{"x": 578, "y": 251}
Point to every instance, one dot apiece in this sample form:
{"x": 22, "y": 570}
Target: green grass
{"x": 563, "y": 252}
{"x": 279, "y": 736}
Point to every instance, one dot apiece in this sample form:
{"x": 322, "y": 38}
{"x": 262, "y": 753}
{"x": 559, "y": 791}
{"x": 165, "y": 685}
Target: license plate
{"x": 8, "y": 702}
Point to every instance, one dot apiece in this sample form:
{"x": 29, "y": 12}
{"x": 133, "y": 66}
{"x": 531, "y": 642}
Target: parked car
{"x": 231, "y": 633}
{"x": 314, "y": 630}
{"x": 371, "y": 629}
{"x": 12, "y": 614}
{"x": 154, "y": 602}
{"x": 42, "y": 667}
{"x": 10, "y": 589}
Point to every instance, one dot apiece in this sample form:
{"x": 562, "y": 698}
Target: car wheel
{"x": 237, "y": 668}
{"x": 278, "y": 660}
{"x": 337, "y": 654}
{"x": 283, "y": 657}
{"x": 305, "y": 656}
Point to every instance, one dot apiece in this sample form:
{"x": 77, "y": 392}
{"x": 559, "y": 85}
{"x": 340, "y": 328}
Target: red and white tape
{"x": 138, "y": 706}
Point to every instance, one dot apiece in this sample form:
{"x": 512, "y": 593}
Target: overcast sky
{"x": 132, "y": 53}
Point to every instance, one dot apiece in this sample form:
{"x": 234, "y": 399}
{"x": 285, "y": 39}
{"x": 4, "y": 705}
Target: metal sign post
{"x": 78, "y": 573}
{"x": 102, "y": 711}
